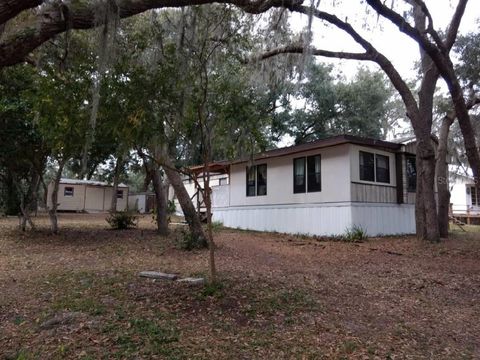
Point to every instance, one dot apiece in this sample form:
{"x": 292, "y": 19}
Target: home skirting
{"x": 320, "y": 219}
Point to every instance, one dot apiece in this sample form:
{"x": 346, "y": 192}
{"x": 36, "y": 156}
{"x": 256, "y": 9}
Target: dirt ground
{"x": 78, "y": 296}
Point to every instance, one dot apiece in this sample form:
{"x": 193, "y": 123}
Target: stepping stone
{"x": 158, "y": 275}
{"x": 193, "y": 281}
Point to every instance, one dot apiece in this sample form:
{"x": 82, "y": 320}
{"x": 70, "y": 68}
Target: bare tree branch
{"x": 296, "y": 49}
{"x": 430, "y": 28}
{"x": 455, "y": 24}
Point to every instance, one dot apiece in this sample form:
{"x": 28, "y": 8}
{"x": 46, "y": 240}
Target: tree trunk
{"x": 426, "y": 153}
{"x": 191, "y": 215}
{"x": 161, "y": 202}
{"x": 421, "y": 229}
{"x": 52, "y": 212}
{"x": 116, "y": 177}
{"x": 441, "y": 171}
{"x": 27, "y": 201}
{"x": 148, "y": 175}
{"x": 211, "y": 244}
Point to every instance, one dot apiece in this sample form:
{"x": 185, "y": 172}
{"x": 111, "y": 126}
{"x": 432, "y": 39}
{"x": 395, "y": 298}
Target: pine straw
{"x": 281, "y": 296}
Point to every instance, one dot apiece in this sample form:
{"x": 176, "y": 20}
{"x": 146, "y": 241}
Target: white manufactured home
{"x": 88, "y": 195}
{"x": 321, "y": 188}
{"x": 465, "y": 198}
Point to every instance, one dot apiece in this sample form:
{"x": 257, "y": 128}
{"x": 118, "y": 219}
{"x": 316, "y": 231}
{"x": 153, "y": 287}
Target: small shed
{"x": 88, "y": 195}
{"x": 142, "y": 202}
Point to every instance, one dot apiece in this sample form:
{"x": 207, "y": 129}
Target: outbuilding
{"x": 87, "y": 195}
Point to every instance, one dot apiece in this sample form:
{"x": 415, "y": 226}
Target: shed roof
{"x": 88, "y": 182}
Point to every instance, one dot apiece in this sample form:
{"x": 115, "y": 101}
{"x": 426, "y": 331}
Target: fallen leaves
{"x": 282, "y": 296}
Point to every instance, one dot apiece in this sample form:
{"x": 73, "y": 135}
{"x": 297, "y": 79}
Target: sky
{"x": 398, "y": 47}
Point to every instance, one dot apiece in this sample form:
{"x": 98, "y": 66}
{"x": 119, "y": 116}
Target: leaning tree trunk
{"x": 191, "y": 215}
{"x": 161, "y": 202}
{"x": 52, "y": 212}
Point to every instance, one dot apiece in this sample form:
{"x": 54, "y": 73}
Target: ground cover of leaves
{"x": 77, "y": 295}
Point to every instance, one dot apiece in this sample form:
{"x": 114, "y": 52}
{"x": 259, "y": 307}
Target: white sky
{"x": 398, "y": 47}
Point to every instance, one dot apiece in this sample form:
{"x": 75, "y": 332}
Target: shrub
{"x": 355, "y": 234}
{"x": 187, "y": 241}
{"x": 171, "y": 208}
{"x": 121, "y": 220}
{"x": 217, "y": 225}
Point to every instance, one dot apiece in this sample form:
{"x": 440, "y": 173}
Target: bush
{"x": 217, "y": 225}
{"x": 171, "y": 208}
{"x": 187, "y": 241}
{"x": 122, "y": 220}
{"x": 355, "y": 234}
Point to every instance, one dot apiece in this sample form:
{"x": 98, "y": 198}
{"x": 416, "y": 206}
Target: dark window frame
{"x": 364, "y": 167}
{"x": 387, "y": 169}
{"x": 373, "y": 166}
{"x": 253, "y": 186}
{"x": 263, "y": 184}
{"x": 310, "y": 184}
{"x": 473, "y": 196}
{"x": 120, "y": 192}
{"x": 299, "y": 189}
{"x": 70, "y": 190}
{"x": 411, "y": 173}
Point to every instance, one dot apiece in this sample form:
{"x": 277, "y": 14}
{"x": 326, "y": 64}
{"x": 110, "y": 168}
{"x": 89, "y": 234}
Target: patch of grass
{"x": 355, "y": 234}
{"x": 144, "y": 336}
{"x": 22, "y": 354}
{"x": 212, "y": 289}
{"x": 185, "y": 240}
{"x": 349, "y": 346}
{"x": 77, "y": 302}
{"x": 286, "y": 302}
{"x": 217, "y": 225}
{"x": 18, "y": 320}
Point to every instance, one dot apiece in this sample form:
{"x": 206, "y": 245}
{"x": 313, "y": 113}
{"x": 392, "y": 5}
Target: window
{"x": 251, "y": 181}
{"x": 119, "y": 194}
{"x": 261, "y": 180}
{"x": 257, "y": 180}
{"x": 367, "y": 166}
{"x": 299, "y": 175}
{"x": 68, "y": 191}
{"x": 374, "y": 167}
{"x": 314, "y": 182}
{"x": 411, "y": 173}
{"x": 307, "y": 174}
{"x": 474, "y": 196}
{"x": 223, "y": 181}
{"x": 382, "y": 163}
